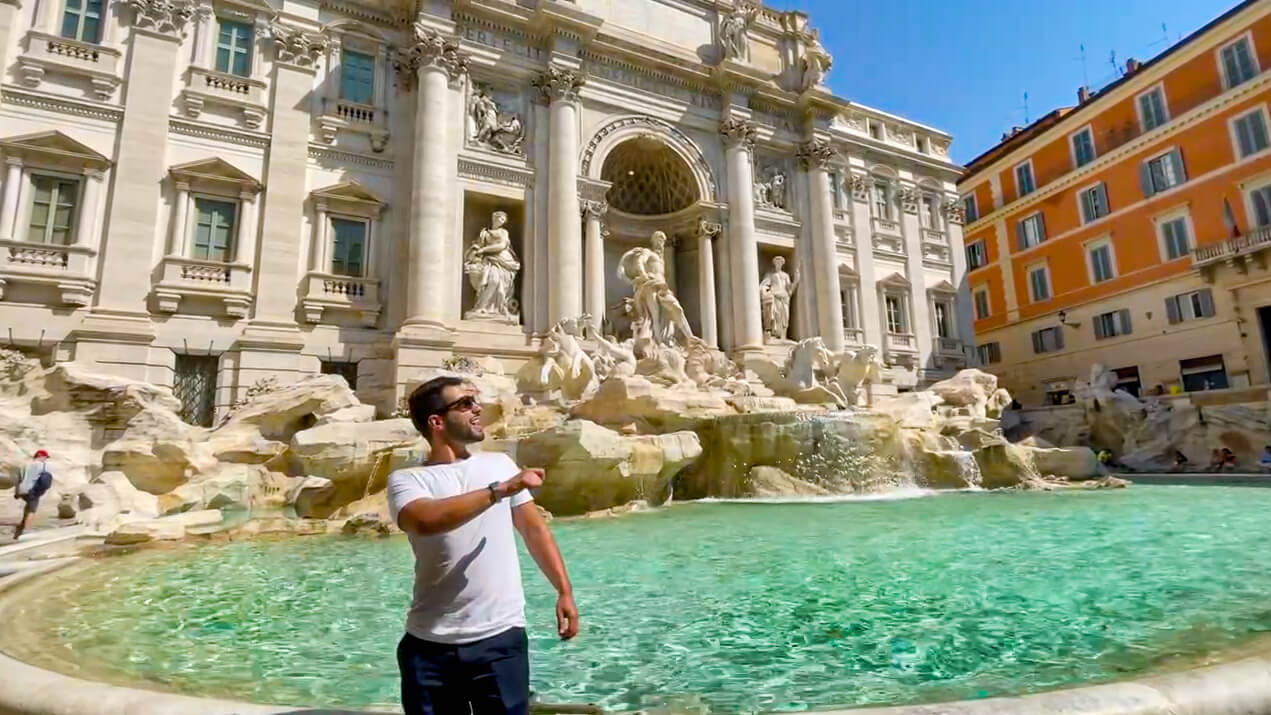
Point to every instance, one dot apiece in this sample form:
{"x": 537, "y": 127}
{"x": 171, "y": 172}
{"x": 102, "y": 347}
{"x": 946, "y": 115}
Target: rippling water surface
{"x": 726, "y": 606}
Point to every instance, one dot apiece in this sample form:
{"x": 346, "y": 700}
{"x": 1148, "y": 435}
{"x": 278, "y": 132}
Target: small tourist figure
{"x": 1265, "y": 460}
{"x": 1228, "y": 458}
{"x": 1180, "y": 460}
{"x": 1215, "y": 460}
{"x": 32, "y": 483}
{"x": 465, "y": 648}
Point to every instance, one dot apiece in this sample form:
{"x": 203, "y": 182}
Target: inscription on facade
{"x": 641, "y": 81}
{"x": 501, "y": 41}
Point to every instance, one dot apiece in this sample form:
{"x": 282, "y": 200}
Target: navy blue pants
{"x": 487, "y": 677}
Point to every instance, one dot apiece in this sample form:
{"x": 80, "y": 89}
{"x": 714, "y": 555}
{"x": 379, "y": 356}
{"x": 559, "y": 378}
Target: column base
{"x": 114, "y": 342}
{"x": 270, "y": 336}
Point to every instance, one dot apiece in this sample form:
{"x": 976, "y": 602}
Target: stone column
{"x": 85, "y": 232}
{"x": 815, "y": 157}
{"x": 318, "y": 257}
{"x": 177, "y": 245}
{"x": 594, "y": 212}
{"x": 919, "y": 301}
{"x": 429, "y": 66}
{"x": 157, "y": 33}
{"x": 9, "y": 208}
{"x": 869, "y": 316}
{"x": 560, "y": 88}
{"x": 706, "y": 233}
{"x": 205, "y": 27}
{"x": 743, "y": 249}
{"x": 245, "y": 238}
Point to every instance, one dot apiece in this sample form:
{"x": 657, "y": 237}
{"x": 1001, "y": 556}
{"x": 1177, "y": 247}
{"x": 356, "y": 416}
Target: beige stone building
{"x": 203, "y": 194}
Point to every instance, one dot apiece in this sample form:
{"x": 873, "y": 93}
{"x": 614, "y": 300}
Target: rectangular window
{"x": 896, "y": 323}
{"x": 1038, "y": 284}
{"x": 1128, "y": 379}
{"x": 1112, "y": 324}
{"x": 1024, "y": 179}
{"x": 848, "y": 299}
{"x": 1251, "y": 133}
{"x": 1094, "y": 203}
{"x": 81, "y": 20}
{"x": 1203, "y": 373}
{"x": 345, "y": 369}
{"x": 976, "y": 255}
{"x": 989, "y": 353}
{"x": 882, "y": 200}
{"x": 1237, "y": 63}
{"x": 1030, "y": 232}
{"x": 1101, "y": 267}
{"x": 981, "y": 304}
{"x": 836, "y": 189}
{"x": 194, "y": 385}
{"x": 1048, "y": 340}
{"x": 234, "y": 48}
{"x": 969, "y": 209}
{"x": 1152, "y": 109}
{"x": 53, "y": 201}
{"x": 1082, "y": 147}
{"x": 357, "y": 77}
{"x": 1162, "y": 172}
{"x": 1262, "y": 205}
{"x": 944, "y": 320}
{"x": 1190, "y": 306}
{"x": 214, "y": 230}
{"x": 348, "y": 247}
{"x": 1174, "y": 234}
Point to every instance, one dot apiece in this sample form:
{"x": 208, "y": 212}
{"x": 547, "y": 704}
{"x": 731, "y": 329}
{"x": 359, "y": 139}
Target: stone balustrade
{"x": 348, "y": 294}
{"x": 209, "y": 86}
{"x": 190, "y": 278}
{"x": 49, "y": 53}
{"x": 65, "y": 268}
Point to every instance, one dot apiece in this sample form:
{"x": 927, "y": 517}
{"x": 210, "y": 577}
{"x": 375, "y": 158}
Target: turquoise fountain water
{"x": 735, "y": 607}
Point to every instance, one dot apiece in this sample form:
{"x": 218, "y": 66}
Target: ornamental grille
{"x": 649, "y": 179}
{"x": 194, "y": 385}
{"x": 346, "y": 370}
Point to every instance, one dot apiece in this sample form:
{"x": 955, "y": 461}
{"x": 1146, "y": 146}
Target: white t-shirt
{"x": 468, "y": 580}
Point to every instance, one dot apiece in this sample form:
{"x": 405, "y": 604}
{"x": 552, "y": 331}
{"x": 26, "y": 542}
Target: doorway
{"x": 1264, "y": 322}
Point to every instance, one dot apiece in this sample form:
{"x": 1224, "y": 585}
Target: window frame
{"x": 248, "y": 51}
{"x": 1159, "y": 87}
{"x": 1072, "y": 147}
{"x": 983, "y": 252}
{"x": 1039, "y": 342}
{"x": 1255, "y": 186}
{"x": 1032, "y": 178}
{"x": 329, "y": 268}
{"x": 345, "y": 51}
{"x": 1246, "y": 36}
{"x": 1029, "y": 270}
{"x": 1261, "y": 110}
{"x": 902, "y": 312}
{"x": 1179, "y": 170}
{"x": 1168, "y": 217}
{"x": 82, "y": 15}
{"x": 970, "y": 210}
{"x": 1088, "y": 248}
{"x": 976, "y": 292}
{"x": 994, "y": 353}
{"x": 27, "y": 204}
{"x": 193, "y": 228}
{"x": 1192, "y": 297}
{"x": 1120, "y": 320}
{"x": 888, "y": 198}
{"x": 1081, "y": 204}
{"x": 1041, "y": 231}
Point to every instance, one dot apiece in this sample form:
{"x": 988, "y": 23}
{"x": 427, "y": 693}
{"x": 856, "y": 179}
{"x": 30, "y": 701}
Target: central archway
{"x": 648, "y": 178}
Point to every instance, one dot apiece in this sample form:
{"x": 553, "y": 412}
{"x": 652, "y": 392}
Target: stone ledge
{"x": 1236, "y": 688}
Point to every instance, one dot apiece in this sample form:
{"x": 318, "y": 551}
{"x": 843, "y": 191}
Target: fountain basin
{"x": 735, "y": 607}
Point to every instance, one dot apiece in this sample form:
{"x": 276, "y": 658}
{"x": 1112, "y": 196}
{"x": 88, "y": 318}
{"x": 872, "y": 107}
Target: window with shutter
{"x": 969, "y": 208}
{"x": 1082, "y": 148}
{"x": 1237, "y": 63}
{"x": 1172, "y": 310}
{"x": 1262, "y": 205}
{"x": 1206, "y": 304}
{"x": 1101, "y": 268}
{"x": 213, "y": 230}
{"x": 1174, "y": 233}
{"x": 1024, "y": 179}
{"x": 1039, "y": 285}
{"x": 1152, "y": 109}
{"x": 981, "y": 304}
{"x": 1094, "y": 203}
{"x": 1037, "y": 342}
{"x": 1251, "y": 133}
{"x": 53, "y": 204}
{"x": 357, "y": 77}
{"x": 1126, "y": 329}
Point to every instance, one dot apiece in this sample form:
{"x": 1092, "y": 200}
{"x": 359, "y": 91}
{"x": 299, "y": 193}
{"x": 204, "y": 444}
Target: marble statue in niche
{"x": 734, "y": 30}
{"x": 772, "y": 188}
{"x": 816, "y": 62}
{"x": 491, "y": 126}
{"x": 491, "y": 267}
{"x": 775, "y": 291}
{"x": 654, "y": 305}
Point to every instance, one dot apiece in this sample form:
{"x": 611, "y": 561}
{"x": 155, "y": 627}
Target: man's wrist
{"x": 506, "y": 489}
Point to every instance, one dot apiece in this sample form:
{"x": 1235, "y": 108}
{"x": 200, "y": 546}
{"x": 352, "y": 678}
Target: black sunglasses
{"x": 465, "y": 403}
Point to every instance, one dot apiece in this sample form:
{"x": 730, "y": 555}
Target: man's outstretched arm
{"x": 425, "y": 517}
{"x": 539, "y": 542}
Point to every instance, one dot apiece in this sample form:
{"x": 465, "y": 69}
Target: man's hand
{"x": 527, "y": 479}
{"x": 566, "y": 616}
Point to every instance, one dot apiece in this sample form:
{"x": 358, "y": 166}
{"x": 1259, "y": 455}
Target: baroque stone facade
{"x": 280, "y": 188}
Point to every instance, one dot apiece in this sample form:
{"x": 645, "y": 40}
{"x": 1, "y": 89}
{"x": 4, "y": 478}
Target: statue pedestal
{"x": 496, "y": 318}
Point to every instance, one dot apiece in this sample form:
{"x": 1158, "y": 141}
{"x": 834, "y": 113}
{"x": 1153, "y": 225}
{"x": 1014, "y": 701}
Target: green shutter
{"x": 1172, "y": 311}
{"x": 1206, "y": 304}
{"x": 1125, "y": 321}
{"x": 1145, "y": 180}
{"x": 348, "y": 247}
{"x": 214, "y": 230}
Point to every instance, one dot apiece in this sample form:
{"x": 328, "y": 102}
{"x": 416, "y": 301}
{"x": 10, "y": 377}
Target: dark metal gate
{"x": 346, "y": 370}
{"x": 195, "y": 386}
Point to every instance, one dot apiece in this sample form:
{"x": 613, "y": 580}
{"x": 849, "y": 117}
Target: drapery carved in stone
{"x": 294, "y": 46}
{"x": 737, "y": 132}
{"x": 430, "y": 49}
{"x": 168, "y": 17}
{"x": 559, "y": 83}
{"x": 817, "y": 153}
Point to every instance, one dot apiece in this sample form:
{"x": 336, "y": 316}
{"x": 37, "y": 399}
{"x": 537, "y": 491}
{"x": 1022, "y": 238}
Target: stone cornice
{"x": 335, "y": 157}
{"x": 558, "y": 83}
{"x": 297, "y": 48}
{"x": 256, "y": 140}
{"x": 61, "y": 105}
{"x": 430, "y": 49}
{"x": 165, "y": 17}
{"x": 498, "y": 173}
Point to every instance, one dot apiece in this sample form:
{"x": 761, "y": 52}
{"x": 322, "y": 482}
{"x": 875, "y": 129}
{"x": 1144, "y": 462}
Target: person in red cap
{"x": 34, "y": 482}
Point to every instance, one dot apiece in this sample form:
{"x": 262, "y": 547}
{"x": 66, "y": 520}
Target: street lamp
{"x": 1063, "y": 320}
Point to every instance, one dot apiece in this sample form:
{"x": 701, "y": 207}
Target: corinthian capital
{"x": 559, "y": 83}
{"x": 430, "y": 49}
{"x": 594, "y": 209}
{"x": 294, "y": 46}
{"x": 737, "y": 132}
{"x": 816, "y": 153}
{"x": 168, "y": 17}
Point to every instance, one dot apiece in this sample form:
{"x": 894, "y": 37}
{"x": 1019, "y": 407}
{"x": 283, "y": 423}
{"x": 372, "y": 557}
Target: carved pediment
{"x": 943, "y": 288}
{"x": 349, "y": 197}
{"x": 215, "y": 173}
{"x": 896, "y": 280}
{"x": 53, "y": 147}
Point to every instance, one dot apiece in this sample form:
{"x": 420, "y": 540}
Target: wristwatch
{"x": 494, "y": 491}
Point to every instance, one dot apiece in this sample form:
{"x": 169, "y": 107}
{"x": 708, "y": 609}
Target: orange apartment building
{"x": 1133, "y": 230}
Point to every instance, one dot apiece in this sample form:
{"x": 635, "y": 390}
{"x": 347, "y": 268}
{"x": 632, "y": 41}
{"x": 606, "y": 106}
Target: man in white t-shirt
{"x": 465, "y": 647}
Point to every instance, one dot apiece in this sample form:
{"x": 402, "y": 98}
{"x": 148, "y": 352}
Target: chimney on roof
{"x": 1083, "y": 94}
{"x": 1013, "y": 131}
{"x": 1132, "y": 65}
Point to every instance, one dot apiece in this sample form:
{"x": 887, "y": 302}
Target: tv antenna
{"x": 1085, "y": 77}
{"x": 1112, "y": 60}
